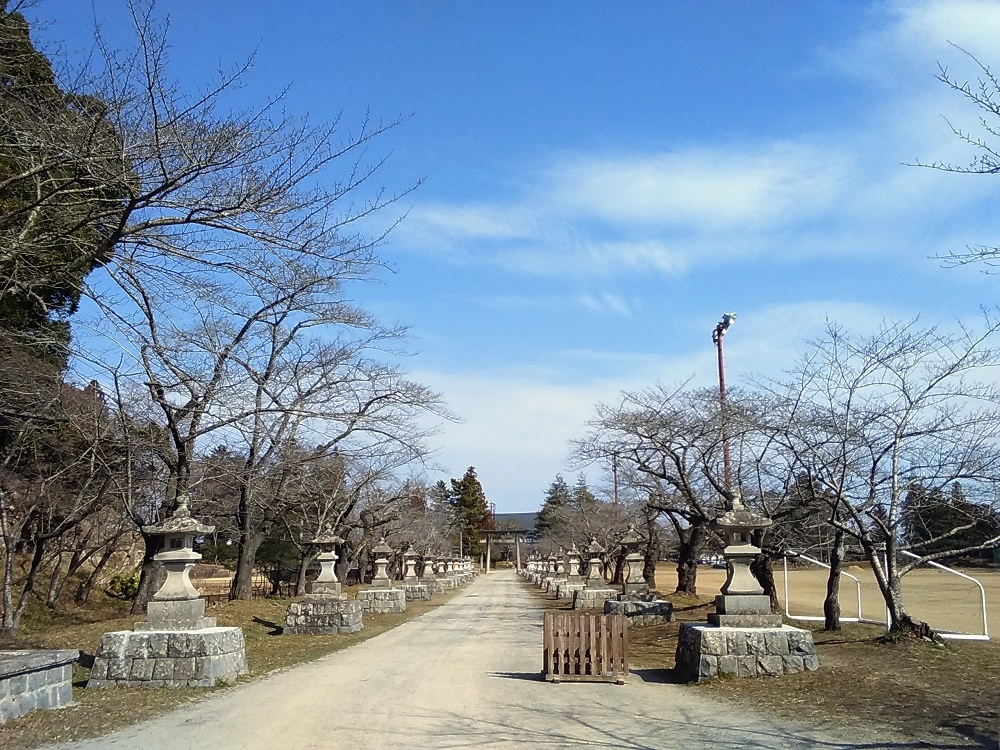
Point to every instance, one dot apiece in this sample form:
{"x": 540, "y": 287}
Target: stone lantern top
{"x": 383, "y": 549}
{"x": 325, "y": 538}
{"x": 594, "y": 549}
{"x": 739, "y": 521}
{"x": 631, "y": 540}
{"x": 410, "y": 552}
{"x": 179, "y": 522}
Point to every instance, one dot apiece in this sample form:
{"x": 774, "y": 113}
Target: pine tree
{"x": 469, "y": 500}
{"x": 557, "y": 498}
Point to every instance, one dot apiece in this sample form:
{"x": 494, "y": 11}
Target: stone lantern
{"x": 560, "y": 573}
{"x": 410, "y": 566}
{"x": 151, "y": 655}
{"x": 428, "y": 575}
{"x": 177, "y": 605}
{"x": 325, "y": 610}
{"x": 573, "y": 565}
{"x": 742, "y": 637}
{"x": 381, "y": 578}
{"x": 326, "y": 583}
{"x": 737, "y": 526}
{"x": 634, "y": 585}
{"x": 595, "y": 578}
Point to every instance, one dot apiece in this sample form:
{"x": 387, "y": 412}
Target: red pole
{"x": 720, "y": 332}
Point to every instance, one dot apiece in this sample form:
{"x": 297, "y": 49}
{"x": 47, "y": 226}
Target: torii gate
{"x": 503, "y": 536}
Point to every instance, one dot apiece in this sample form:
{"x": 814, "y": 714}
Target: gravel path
{"x": 462, "y": 675}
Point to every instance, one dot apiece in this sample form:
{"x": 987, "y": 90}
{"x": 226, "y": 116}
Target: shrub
{"x": 124, "y": 586}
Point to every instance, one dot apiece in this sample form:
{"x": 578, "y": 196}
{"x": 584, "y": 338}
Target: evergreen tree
{"x": 557, "y": 499}
{"x": 583, "y": 498}
{"x": 469, "y": 500}
{"x": 62, "y": 194}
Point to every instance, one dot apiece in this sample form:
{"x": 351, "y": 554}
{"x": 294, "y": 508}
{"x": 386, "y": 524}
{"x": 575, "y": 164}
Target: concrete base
{"x": 379, "y": 601}
{"x": 323, "y": 615}
{"x": 645, "y": 612}
{"x": 592, "y": 598}
{"x": 705, "y": 651}
{"x": 635, "y": 590}
{"x": 185, "y": 614}
{"x": 31, "y": 680}
{"x": 172, "y": 659}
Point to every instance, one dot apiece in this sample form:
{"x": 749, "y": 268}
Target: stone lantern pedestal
{"x": 177, "y": 646}
{"x": 325, "y": 610}
{"x": 382, "y": 597}
{"x": 742, "y": 638}
{"x": 595, "y": 591}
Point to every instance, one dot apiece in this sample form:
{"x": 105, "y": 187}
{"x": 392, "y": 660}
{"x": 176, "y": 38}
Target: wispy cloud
{"x": 606, "y": 302}
{"x": 702, "y": 188}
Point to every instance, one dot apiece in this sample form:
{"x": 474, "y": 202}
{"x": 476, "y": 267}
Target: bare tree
{"x": 867, "y": 417}
{"x": 984, "y": 95}
{"x": 672, "y": 436}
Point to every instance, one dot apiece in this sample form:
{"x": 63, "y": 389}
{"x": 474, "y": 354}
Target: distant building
{"x": 526, "y": 522}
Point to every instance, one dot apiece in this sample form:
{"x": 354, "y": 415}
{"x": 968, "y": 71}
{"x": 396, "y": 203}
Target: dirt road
{"x": 463, "y": 675}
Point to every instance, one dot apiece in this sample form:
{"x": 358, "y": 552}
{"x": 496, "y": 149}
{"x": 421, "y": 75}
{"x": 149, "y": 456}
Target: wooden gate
{"x": 585, "y": 647}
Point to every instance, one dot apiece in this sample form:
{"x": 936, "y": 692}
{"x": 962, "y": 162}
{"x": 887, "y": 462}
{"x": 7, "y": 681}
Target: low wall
{"x": 34, "y": 679}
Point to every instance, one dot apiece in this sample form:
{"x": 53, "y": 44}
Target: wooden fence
{"x": 585, "y": 647}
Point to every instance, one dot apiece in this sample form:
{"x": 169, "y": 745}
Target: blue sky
{"x": 601, "y": 181}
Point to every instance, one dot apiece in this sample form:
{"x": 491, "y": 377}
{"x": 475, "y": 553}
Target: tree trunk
{"x": 762, "y": 569}
{"x": 652, "y": 549}
{"x": 831, "y": 605}
{"x": 901, "y": 623}
{"x": 691, "y": 543}
{"x": 152, "y": 576}
{"x": 52, "y": 597}
{"x": 26, "y": 591}
{"x": 83, "y": 592}
{"x": 618, "y": 577}
{"x": 7, "y": 625}
{"x": 305, "y": 561}
{"x": 242, "y": 586}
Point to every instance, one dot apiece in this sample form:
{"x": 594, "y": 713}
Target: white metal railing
{"x": 957, "y": 635}
{"x": 947, "y": 634}
{"x": 814, "y": 618}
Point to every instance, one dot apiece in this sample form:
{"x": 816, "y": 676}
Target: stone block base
{"x": 318, "y": 615}
{"x": 646, "y": 612}
{"x": 566, "y": 590}
{"x": 172, "y": 659}
{"x": 416, "y": 592}
{"x": 705, "y": 651}
{"x": 379, "y": 601}
{"x": 592, "y": 598}
{"x": 35, "y": 679}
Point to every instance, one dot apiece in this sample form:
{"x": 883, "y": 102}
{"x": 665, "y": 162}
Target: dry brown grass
{"x": 938, "y": 694}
